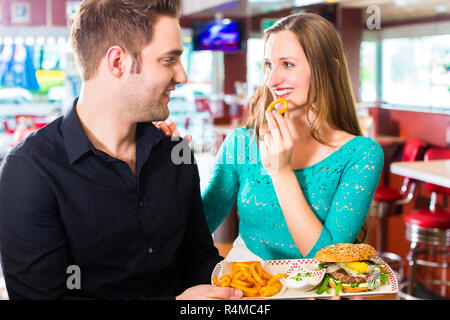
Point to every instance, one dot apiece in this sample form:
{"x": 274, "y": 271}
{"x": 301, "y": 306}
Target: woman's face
{"x": 287, "y": 72}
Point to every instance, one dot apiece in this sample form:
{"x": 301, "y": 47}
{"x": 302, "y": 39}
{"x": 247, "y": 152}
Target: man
{"x": 92, "y": 205}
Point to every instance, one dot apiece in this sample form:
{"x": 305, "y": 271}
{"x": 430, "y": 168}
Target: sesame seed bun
{"x": 346, "y": 252}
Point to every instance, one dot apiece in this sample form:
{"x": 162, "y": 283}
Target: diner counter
{"x": 433, "y": 171}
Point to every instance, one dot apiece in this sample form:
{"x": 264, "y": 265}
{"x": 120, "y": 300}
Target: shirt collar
{"x": 75, "y": 140}
{"x": 147, "y": 136}
{"x": 77, "y": 143}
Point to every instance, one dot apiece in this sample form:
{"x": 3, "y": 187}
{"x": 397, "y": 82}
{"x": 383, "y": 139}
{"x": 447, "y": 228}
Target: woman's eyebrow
{"x": 287, "y": 58}
{"x": 283, "y": 58}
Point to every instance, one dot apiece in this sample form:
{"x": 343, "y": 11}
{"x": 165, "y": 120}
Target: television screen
{"x": 220, "y": 36}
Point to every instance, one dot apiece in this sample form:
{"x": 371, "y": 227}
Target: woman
{"x": 308, "y": 179}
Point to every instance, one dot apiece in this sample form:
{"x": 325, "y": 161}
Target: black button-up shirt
{"x": 67, "y": 207}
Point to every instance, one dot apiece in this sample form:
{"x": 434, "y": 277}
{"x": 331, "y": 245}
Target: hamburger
{"x": 350, "y": 268}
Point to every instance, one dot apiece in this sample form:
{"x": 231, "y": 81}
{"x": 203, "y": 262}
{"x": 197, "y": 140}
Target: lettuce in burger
{"x": 350, "y": 268}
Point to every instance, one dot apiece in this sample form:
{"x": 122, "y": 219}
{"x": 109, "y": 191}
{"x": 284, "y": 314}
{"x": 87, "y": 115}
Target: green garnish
{"x": 323, "y": 286}
{"x": 322, "y": 265}
{"x": 384, "y": 277}
{"x": 338, "y": 288}
{"x": 301, "y": 275}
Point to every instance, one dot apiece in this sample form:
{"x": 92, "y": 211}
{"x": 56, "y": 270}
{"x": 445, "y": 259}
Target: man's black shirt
{"x": 63, "y": 203}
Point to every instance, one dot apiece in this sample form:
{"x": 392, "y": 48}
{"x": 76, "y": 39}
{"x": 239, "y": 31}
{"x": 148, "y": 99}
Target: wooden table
{"x": 386, "y": 141}
{"x": 433, "y": 171}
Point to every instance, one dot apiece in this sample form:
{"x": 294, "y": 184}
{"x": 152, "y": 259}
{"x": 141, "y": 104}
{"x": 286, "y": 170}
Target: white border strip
{"x": 408, "y": 31}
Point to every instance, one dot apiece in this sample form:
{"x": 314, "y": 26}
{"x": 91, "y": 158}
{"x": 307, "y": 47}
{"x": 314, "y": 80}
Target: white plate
{"x": 308, "y": 277}
{"x": 288, "y": 266}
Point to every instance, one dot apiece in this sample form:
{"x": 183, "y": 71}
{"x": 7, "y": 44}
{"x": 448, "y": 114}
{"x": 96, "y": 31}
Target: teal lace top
{"x": 339, "y": 190}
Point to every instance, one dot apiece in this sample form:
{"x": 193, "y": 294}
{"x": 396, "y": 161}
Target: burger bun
{"x": 346, "y": 252}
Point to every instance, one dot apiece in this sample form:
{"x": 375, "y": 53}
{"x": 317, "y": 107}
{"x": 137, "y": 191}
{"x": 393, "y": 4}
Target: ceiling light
{"x": 404, "y": 3}
{"x": 302, "y": 3}
{"x": 441, "y": 9}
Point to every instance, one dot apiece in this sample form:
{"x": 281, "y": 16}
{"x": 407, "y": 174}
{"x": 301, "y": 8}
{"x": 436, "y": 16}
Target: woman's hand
{"x": 276, "y": 145}
{"x": 169, "y": 128}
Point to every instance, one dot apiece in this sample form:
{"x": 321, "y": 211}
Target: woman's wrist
{"x": 282, "y": 175}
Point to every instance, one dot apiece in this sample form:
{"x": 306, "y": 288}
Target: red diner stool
{"x": 387, "y": 198}
{"x": 428, "y": 230}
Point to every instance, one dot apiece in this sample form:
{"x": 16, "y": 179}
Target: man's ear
{"x": 116, "y": 61}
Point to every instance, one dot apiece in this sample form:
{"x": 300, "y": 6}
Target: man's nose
{"x": 180, "y": 76}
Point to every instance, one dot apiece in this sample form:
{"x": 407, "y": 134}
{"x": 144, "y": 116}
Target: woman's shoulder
{"x": 365, "y": 147}
{"x": 238, "y": 147}
{"x": 243, "y": 131}
{"x": 364, "y": 144}
{"x": 238, "y": 133}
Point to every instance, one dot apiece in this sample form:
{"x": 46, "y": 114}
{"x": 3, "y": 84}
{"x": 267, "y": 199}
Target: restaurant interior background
{"x": 399, "y": 60}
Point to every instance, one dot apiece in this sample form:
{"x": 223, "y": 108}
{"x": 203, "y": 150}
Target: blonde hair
{"x": 330, "y": 94}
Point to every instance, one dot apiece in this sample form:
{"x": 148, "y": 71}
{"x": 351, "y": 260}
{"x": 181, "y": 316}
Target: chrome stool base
{"x": 402, "y": 288}
{"x": 428, "y": 236}
{"x": 383, "y": 210}
{"x": 395, "y": 262}
{"x": 433, "y": 239}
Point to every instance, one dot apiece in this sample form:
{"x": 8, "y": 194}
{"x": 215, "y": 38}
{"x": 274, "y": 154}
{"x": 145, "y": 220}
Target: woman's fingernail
{"x": 238, "y": 293}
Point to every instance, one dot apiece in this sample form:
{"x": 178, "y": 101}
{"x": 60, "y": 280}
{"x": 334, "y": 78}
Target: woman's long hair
{"x": 330, "y": 95}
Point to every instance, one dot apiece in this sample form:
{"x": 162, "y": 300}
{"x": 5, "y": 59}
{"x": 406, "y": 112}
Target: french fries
{"x": 275, "y": 102}
{"x": 251, "y": 279}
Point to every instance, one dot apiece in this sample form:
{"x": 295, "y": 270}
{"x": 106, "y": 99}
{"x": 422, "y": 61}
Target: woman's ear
{"x": 338, "y": 64}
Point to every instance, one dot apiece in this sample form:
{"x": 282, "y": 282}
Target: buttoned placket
{"x": 145, "y": 215}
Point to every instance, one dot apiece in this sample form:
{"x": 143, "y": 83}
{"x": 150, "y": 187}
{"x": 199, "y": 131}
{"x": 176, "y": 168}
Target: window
{"x": 20, "y": 13}
{"x": 255, "y": 57}
{"x": 416, "y": 71}
{"x": 367, "y": 71}
{"x": 407, "y": 67}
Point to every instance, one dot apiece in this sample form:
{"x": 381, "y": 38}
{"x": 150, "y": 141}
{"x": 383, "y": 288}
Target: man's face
{"x": 147, "y": 94}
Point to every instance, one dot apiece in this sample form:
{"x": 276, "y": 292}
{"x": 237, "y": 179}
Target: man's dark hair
{"x": 100, "y": 24}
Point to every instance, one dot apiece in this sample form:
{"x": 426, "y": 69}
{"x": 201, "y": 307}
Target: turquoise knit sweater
{"x": 339, "y": 190}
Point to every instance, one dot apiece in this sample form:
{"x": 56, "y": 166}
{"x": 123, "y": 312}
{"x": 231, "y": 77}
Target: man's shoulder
{"x": 45, "y": 141}
{"x": 178, "y": 150}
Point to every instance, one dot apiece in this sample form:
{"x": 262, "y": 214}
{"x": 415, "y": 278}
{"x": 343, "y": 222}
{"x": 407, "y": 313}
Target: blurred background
{"x": 398, "y": 53}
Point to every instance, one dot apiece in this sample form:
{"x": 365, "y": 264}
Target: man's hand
{"x": 169, "y": 128}
{"x": 209, "y": 292}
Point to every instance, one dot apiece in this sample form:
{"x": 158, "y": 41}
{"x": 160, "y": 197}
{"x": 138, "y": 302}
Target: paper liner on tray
{"x": 289, "y": 265}
{"x": 240, "y": 253}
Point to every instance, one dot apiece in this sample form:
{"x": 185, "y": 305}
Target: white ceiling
{"x": 391, "y": 10}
